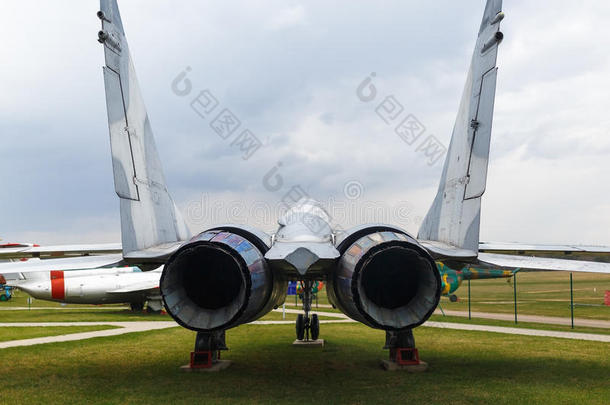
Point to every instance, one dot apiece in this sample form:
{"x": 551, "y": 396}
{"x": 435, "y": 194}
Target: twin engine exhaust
{"x": 220, "y": 280}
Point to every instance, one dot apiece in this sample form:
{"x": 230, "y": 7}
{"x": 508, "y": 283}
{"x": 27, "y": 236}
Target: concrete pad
{"x": 309, "y": 343}
{"x": 219, "y": 365}
{"x": 389, "y": 365}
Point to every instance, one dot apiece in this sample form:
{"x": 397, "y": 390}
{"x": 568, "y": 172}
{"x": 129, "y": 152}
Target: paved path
{"x": 288, "y": 304}
{"x": 122, "y": 328}
{"x": 480, "y": 328}
{"x": 520, "y": 331}
{"x": 142, "y": 326}
{"x": 53, "y": 308}
{"x": 292, "y": 322}
{"x": 553, "y": 320}
{"x": 462, "y": 326}
{"x": 313, "y": 311}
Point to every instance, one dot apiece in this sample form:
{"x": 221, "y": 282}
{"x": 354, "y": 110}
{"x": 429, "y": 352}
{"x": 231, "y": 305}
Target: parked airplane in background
{"x": 377, "y": 274}
{"x": 11, "y": 251}
{"x": 451, "y": 279}
{"x": 97, "y": 286}
{"x": 89, "y": 283}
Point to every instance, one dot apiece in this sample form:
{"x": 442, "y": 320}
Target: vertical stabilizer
{"x": 454, "y": 216}
{"x": 149, "y": 217}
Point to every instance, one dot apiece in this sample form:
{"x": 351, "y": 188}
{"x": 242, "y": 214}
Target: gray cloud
{"x": 289, "y": 71}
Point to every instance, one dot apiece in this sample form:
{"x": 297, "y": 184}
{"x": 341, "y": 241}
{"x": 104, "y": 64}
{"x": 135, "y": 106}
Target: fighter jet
{"x": 376, "y": 274}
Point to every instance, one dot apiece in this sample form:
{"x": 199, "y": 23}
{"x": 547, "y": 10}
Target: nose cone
{"x": 40, "y": 289}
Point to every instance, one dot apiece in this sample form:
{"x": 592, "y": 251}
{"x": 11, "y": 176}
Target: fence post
{"x": 469, "y": 314}
{"x": 572, "y": 300}
{"x": 441, "y": 308}
{"x": 515, "y": 293}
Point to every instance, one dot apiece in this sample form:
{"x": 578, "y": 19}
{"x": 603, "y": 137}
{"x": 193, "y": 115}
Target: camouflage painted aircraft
{"x": 377, "y": 274}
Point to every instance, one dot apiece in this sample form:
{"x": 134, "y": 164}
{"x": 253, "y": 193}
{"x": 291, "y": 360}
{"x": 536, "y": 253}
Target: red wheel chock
{"x": 405, "y": 356}
{"x": 203, "y": 359}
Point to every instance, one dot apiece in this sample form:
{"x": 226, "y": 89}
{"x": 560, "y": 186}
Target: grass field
{"x": 29, "y": 332}
{"x": 79, "y": 315}
{"x": 104, "y": 314}
{"x": 538, "y": 293}
{"x": 465, "y": 367}
{"x": 524, "y": 325}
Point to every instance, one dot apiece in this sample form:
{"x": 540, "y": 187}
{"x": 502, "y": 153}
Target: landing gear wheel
{"x": 300, "y": 327}
{"x": 315, "y": 327}
{"x": 453, "y": 298}
{"x": 136, "y": 306}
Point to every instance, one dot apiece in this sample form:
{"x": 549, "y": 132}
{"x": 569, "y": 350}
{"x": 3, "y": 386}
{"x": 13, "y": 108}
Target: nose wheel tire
{"x": 300, "y": 327}
{"x": 307, "y": 328}
{"x": 315, "y": 327}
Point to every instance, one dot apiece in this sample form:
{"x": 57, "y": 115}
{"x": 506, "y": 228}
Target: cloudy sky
{"x": 289, "y": 71}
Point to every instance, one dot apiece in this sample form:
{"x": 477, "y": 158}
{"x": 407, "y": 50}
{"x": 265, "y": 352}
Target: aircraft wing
{"x": 542, "y": 263}
{"x": 19, "y": 251}
{"x": 441, "y": 250}
{"x": 70, "y": 263}
{"x": 577, "y": 252}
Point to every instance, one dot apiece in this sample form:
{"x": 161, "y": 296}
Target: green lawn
{"x": 511, "y": 324}
{"x": 105, "y": 315}
{"x": 277, "y": 316}
{"x": 79, "y": 315}
{"x": 27, "y": 332}
{"x": 465, "y": 367}
{"x": 538, "y": 293}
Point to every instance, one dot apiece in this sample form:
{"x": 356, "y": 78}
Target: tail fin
{"x": 454, "y": 216}
{"x": 149, "y": 217}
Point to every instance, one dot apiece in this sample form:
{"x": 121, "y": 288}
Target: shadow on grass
{"x": 464, "y": 367}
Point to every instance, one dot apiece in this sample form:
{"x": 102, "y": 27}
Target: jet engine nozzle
{"x": 219, "y": 280}
{"x": 387, "y": 281}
